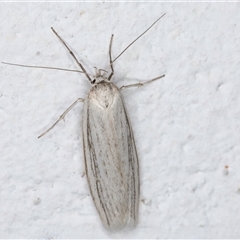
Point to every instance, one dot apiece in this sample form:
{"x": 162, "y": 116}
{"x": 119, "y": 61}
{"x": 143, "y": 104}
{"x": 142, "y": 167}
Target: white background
{"x": 186, "y": 126}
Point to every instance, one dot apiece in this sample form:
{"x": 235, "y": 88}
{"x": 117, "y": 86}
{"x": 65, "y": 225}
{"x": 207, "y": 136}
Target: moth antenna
{"x": 52, "y": 68}
{"x": 110, "y": 58}
{"x": 70, "y": 51}
{"x": 138, "y": 38}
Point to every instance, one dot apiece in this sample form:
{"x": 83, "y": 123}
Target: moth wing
{"x": 111, "y": 161}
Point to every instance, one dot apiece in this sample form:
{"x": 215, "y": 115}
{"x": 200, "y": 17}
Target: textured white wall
{"x": 187, "y": 125}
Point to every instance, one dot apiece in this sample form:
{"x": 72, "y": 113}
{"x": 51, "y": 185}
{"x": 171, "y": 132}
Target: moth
{"x": 110, "y": 155}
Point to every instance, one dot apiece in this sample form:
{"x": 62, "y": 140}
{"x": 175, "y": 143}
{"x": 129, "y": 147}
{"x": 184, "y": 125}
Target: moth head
{"x": 100, "y": 75}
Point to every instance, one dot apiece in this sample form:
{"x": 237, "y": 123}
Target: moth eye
{"x": 94, "y": 80}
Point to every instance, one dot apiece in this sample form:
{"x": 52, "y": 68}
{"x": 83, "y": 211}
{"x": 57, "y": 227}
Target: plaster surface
{"x": 186, "y": 125}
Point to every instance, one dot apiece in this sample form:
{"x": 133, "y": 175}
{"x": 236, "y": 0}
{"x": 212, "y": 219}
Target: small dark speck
{"x": 37, "y": 201}
{"x": 226, "y": 170}
{"x": 219, "y": 86}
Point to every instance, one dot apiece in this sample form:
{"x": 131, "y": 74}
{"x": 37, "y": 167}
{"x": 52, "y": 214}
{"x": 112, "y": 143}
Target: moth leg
{"x": 110, "y": 58}
{"x": 63, "y": 115}
{"x": 141, "y": 84}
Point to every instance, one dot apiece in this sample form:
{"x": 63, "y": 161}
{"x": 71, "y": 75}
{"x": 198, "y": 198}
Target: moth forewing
{"x": 110, "y": 154}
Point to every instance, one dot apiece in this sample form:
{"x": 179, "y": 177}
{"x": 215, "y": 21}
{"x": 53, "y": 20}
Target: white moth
{"x": 111, "y": 161}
